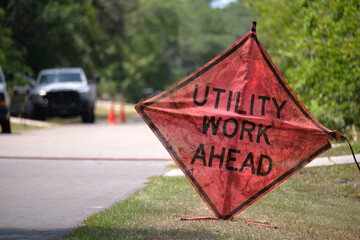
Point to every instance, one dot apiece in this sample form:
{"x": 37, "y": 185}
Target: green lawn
{"x": 315, "y": 203}
{"x": 343, "y": 149}
{"x": 18, "y": 127}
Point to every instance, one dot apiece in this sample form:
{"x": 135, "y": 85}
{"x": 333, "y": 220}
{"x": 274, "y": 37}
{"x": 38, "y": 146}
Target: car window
{"x": 62, "y": 77}
{"x": 69, "y": 77}
{"x": 46, "y": 79}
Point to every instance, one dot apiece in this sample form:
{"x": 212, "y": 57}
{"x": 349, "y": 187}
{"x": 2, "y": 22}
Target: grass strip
{"x": 315, "y": 203}
{"x": 342, "y": 150}
{"x": 18, "y": 127}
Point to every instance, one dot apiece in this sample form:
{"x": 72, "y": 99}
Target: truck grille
{"x": 63, "y": 97}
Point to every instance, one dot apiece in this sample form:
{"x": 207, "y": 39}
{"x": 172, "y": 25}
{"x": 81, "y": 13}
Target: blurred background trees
{"x": 141, "y": 44}
{"x": 315, "y": 45}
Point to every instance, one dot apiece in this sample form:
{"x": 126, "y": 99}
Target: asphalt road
{"x": 85, "y": 141}
{"x": 48, "y": 187}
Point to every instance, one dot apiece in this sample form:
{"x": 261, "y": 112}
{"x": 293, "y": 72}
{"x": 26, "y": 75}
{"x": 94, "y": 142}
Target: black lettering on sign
{"x": 215, "y": 125}
{"x": 237, "y": 110}
{"x": 255, "y": 103}
{"x": 248, "y": 130}
{"x": 229, "y": 101}
{"x": 205, "y": 96}
{"x": 264, "y": 99}
{"x": 259, "y": 172}
{"x": 278, "y": 108}
{"x": 262, "y": 132}
{"x": 219, "y": 91}
{"x": 236, "y": 126}
{"x": 230, "y": 128}
{"x": 220, "y": 157}
{"x": 252, "y": 104}
{"x": 249, "y": 162}
{"x": 232, "y": 157}
{"x": 201, "y": 151}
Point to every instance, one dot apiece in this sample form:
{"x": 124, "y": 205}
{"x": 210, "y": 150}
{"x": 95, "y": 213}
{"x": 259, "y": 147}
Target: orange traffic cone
{"x": 122, "y": 117}
{"x": 111, "y": 117}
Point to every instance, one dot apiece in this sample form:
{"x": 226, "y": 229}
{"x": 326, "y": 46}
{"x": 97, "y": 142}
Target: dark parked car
{"x": 4, "y": 105}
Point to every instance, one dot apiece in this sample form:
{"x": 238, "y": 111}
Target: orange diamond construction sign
{"x": 235, "y": 127}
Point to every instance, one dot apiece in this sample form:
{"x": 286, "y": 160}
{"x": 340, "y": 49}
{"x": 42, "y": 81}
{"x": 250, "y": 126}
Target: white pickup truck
{"x": 63, "y": 92}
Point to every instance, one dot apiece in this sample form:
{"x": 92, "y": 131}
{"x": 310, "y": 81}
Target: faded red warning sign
{"x": 235, "y": 127}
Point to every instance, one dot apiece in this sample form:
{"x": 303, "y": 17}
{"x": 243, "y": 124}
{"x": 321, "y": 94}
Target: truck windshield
{"x": 60, "y": 77}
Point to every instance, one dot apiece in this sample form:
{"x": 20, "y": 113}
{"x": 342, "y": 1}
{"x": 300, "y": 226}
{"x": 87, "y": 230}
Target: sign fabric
{"x": 235, "y": 127}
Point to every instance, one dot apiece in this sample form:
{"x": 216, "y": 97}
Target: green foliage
{"x": 168, "y": 39}
{"x": 315, "y": 45}
{"x": 11, "y": 57}
{"x": 54, "y": 33}
{"x": 151, "y": 40}
{"x": 132, "y": 45}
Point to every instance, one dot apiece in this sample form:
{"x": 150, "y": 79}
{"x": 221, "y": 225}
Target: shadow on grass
{"x": 91, "y": 232}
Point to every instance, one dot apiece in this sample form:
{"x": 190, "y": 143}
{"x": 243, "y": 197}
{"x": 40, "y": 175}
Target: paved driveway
{"x": 84, "y": 141}
{"x": 48, "y": 187}
{"x": 41, "y": 198}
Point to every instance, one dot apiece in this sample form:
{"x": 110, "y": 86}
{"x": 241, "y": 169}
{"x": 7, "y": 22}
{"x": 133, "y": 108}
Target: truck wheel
{"x": 5, "y": 125}
{"x": 88, "y": 116}
{"x": 37, "y": 114}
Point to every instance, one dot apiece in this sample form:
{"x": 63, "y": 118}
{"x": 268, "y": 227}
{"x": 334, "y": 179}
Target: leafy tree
{"x": 109, "y": 54}
{"x": 151, "y": 43}
{"x": 315, "y": 44}
{"x": 54, "y": 33}
{"x": 11, "y": 58}
{"x": 168, "y": 39}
